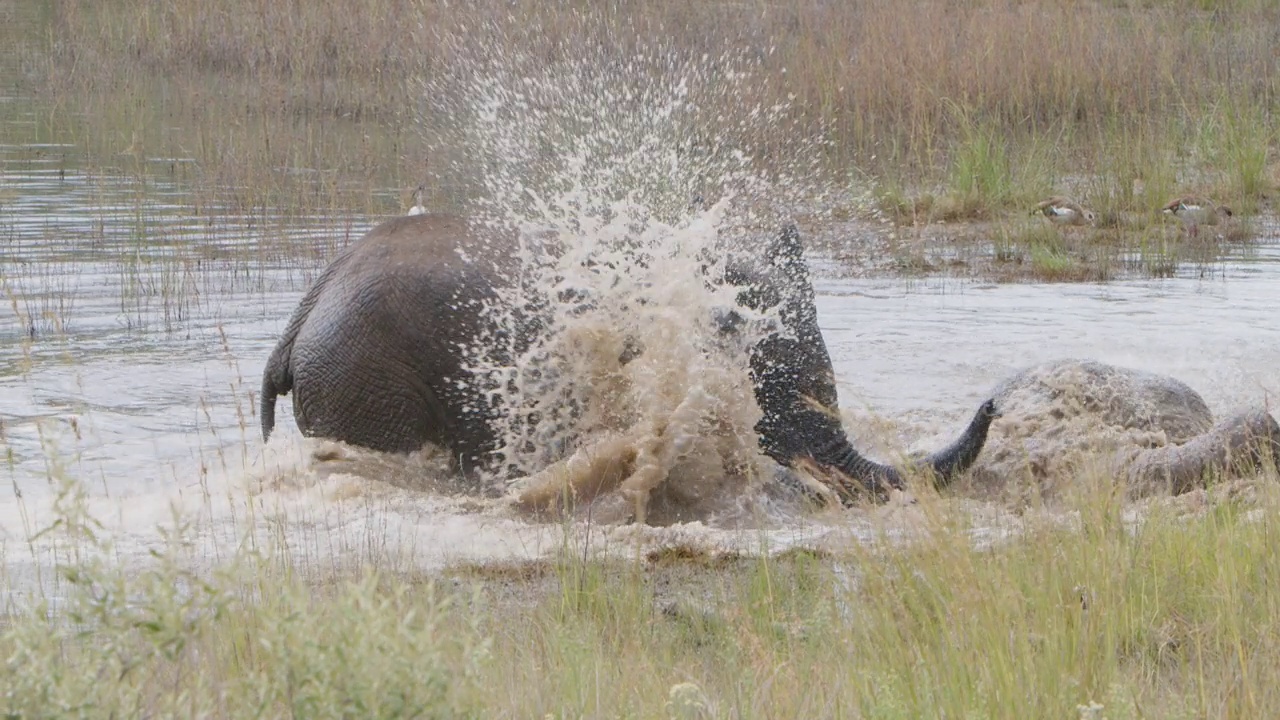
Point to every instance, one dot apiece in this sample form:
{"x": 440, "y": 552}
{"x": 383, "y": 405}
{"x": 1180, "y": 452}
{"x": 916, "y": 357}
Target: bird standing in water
{"x": 418, "y": 208}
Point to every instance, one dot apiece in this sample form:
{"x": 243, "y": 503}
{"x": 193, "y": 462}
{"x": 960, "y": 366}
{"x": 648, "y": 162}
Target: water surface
{"x": 134, "y": 332}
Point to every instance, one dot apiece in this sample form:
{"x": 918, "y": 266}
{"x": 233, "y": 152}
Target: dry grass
{"x": 1171, "y": 617}
{"x": 936, "y": 111}
{"x": 998, "y": 100}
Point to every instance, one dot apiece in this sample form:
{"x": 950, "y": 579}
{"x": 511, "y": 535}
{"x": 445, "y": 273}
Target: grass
{"x": 267, "y": 116}
{"x": 936, "y": 93}
{"x": 944, "y": 112}
{"x": 1247, "y": 140}
{"x": 1045, "y": 253}
{"x": 1173, "y": 616}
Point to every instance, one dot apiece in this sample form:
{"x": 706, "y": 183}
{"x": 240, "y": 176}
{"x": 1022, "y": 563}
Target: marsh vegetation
{"x": 227, "y": 148}
{"x": 929, "y": 112}
{"x": 1171, "y": 616}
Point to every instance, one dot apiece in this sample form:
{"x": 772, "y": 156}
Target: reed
{"x": 923, "y": 94}
{"x": 1169, "y": 612}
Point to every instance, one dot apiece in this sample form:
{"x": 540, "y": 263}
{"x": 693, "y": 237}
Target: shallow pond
{"x": 134, "y": 335}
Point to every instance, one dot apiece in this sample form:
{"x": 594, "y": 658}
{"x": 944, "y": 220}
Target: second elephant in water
{"x": 376, "y": 355}
{"x": 1070, "y": 417}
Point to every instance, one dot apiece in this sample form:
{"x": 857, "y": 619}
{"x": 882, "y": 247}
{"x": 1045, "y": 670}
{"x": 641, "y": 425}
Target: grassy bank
{"x": 991, "y": 103}
{"x": 1172, "y": 618}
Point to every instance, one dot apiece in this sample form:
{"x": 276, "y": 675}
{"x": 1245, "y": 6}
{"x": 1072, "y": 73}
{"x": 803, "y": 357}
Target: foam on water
{"x": 630, "y": 368}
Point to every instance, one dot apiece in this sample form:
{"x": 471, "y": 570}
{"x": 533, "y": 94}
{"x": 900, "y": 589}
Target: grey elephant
{"x": 1064, "y": 417}
{"x": 375, "y": 353}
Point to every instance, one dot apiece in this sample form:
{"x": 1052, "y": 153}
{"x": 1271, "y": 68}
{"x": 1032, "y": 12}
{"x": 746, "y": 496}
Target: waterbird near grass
{"x": 418, "y": 208}
{"x": 1064, "y": 211}
{"x": 1194, "y": 212}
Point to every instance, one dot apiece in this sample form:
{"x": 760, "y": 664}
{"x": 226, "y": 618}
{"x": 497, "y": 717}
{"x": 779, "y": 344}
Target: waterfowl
{"x": 1194, "y": 212}
{"x": 417, "y": 208}
{"x": 1064, "y": 211}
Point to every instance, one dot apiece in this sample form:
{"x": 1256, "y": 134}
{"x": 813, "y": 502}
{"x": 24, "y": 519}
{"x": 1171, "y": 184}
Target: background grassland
{"x": 991, "y": 102}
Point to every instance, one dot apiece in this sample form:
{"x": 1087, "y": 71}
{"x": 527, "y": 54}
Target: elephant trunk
{"x": 795, "y": 382}
{"x": 1242, "y": 443}
{"x": 961, "y": 454}
{"x": 875, "y": 478}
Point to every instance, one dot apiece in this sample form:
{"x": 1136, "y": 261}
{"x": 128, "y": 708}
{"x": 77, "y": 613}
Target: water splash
{"x": 630, "y": 177}
{"x": 522, "y": 137}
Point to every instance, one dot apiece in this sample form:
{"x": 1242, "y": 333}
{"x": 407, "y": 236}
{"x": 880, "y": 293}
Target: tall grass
{"x": 322, "y": 85}
{"x": 1171, "y": 616}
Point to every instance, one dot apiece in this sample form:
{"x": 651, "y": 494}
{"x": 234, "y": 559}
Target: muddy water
{"x": 133, "y": 368}
{"x": 919, "y": 350}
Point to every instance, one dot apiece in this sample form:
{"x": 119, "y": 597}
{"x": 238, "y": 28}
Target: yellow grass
{"x": 1175, "y": 616}
{"x": 916, "y": 93}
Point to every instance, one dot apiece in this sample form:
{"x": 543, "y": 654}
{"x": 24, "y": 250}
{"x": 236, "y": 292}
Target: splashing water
{"x": 531, "y": 140}
{"x": 629, "y": 349}
{"x": 629, "y": 187}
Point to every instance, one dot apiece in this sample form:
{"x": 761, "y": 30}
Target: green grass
{"x": 1174, "y": 616}
{"x": 990, "y": 101}
{"x": 1247, "y": 137}
{"x": 1047, "y": 253}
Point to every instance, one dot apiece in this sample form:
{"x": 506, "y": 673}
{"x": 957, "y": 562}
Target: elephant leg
{"x": 1241, "y": 443}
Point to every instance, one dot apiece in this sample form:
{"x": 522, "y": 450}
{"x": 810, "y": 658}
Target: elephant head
{"x": 795, "y": 383}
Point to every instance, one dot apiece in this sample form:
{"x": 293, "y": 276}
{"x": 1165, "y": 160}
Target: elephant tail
{"x": 267, "y": 409}
{"x": 277, "y": 380}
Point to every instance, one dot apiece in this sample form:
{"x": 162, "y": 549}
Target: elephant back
{"x": 1115, "y": 396}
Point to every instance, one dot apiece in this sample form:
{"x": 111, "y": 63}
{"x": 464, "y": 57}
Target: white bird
{"x": 417, "y": 208}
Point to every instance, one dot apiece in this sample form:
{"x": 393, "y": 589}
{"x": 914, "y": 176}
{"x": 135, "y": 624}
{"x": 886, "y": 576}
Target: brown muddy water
{"x": 135, "y": 331}
{"x": 132, "y": 366}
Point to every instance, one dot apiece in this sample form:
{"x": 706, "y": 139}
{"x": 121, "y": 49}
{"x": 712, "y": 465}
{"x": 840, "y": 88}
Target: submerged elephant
{"x": 1062, "y": 418}
{"x": 376, "y": 353}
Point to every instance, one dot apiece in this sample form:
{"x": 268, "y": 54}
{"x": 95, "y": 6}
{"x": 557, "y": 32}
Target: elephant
{"x": 375, "y": 354}
{"x": 1150, "y": 430}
